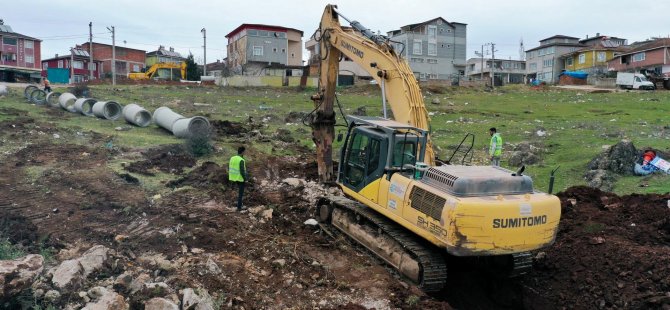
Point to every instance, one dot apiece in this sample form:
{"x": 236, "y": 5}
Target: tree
{"x": 193, "y": 71}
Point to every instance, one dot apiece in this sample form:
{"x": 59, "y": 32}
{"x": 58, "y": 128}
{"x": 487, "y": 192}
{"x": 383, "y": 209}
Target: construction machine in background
{"x": 161, "y": 71}
{"x": 398, "y": 203}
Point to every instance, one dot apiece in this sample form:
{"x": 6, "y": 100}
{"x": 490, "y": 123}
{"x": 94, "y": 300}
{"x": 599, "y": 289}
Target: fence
{"x": 601, "y": 82}
{"x": 273, "y": 81}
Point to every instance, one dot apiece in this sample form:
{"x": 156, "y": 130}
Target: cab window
{"x": 404, "y": 152}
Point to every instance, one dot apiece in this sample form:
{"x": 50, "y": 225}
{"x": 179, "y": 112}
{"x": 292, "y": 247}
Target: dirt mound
{"x": 295, "y": 117}
{"x": 610, "y": 252}
{"x": 228, "y": 128}
{"x": 618, "y": 159}
{"x": 206, "y": 175}
{"x": 172, "y": 159}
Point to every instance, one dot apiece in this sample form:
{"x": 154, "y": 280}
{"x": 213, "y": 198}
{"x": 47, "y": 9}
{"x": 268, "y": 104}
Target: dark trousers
{"x": 47, "y": 89}
{"x": 240, "y": 194}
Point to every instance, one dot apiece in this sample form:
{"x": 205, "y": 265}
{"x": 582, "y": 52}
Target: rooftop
{"x": 6, "y": 30}
{"x": 261, "y": 27}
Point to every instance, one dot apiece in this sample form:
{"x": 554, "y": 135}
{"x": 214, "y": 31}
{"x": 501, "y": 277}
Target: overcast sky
{"x": 146, "y": 24}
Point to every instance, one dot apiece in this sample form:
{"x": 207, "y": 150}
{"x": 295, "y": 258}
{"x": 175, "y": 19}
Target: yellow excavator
{"x": 399, "y": 203}
{"x": 169, "y": 72}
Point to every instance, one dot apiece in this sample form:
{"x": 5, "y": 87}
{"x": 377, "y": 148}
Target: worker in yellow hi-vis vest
{"x": 495, "y": 147}
{"x": 237, "y": 173}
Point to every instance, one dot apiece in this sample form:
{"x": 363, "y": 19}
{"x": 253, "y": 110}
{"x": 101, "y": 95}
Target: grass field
{"x": 578, "y": 125}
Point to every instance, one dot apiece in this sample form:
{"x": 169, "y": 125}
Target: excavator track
{"x": 422, "y": 264}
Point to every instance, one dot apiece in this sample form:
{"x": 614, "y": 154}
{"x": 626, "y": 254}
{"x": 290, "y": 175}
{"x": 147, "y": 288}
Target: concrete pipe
{"x": 29, "y": 89}
{"x": 196, "y": 126}
{"x": 107, "y": 109}
{"x": 52, "y": 99}
{"x": 85, "y": 106}
{"x": 38, "y": 96}
{"x": 164, "y": 117}
{"x": 136, "y": 115}
{"x": 66, "y": 101}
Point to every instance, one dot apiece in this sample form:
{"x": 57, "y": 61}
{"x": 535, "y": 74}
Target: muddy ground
{"x": 611, "y": 252}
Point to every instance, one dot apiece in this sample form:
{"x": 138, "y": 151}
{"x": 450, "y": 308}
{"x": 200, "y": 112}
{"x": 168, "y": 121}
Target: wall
{"x": 21, "y": 52}
{"x": 126, "y": 58}
{"x": 294, "y": 55}
{"x": 652, "y": 58}
{"x": 272, "y": 81}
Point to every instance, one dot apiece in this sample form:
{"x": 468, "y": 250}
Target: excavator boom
{"x": 375, "y": 55}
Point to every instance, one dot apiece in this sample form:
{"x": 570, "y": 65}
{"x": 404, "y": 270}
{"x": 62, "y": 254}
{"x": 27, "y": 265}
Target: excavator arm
{"x": 374, "y": 53}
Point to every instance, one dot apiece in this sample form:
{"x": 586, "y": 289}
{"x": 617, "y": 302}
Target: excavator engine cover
{"x": 470, "y": 181}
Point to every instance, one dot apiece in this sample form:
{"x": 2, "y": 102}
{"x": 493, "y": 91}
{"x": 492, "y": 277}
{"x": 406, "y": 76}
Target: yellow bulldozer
{"x": 161, "y": 71}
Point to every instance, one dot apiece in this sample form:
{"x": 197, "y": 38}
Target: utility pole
{"x": 481, "y": 74}
{"x": 90, "y": 50}
{"x": 493, "y": 64}
{"x": 71, "y": 65}
{"x": 204, "y": 52}
{"x": 113, "y": 54}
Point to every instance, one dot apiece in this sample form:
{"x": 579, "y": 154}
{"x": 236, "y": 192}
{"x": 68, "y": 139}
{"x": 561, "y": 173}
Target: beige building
{"x": 253, "y": 48}
{"x": 349, "y": 73}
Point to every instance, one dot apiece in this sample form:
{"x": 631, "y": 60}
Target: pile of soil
{"x": 227, "y": 128}
{"x": 610, "y": 252}
{"x": 171, "y": 159}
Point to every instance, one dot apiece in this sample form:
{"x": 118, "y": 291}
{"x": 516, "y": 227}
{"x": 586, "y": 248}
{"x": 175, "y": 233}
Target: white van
{"x": 627, "y": 80}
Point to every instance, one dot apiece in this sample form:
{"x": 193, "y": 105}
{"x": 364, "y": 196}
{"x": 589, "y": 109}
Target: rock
{"x": 138, "y": 283}
{"x": 267, "y": 214}
{"x": 52, "y": 296}
{"x": 160, "y": 304}
{"x": 122, "y": 282}
{"x": 197, "y": 251}
{"x": 312, "y": 222}
{"x": 293, "y": 182}
{"x": 19, "y": 274}
{"x": 597, "y": 240}
{"x": 94, "y": 259}
{"x": 279, "y": 262}
{"x": 120, "y": 238}
{"x": 197, "y": 301}
{"x": 69, "y": 273}
{"x": 284, "y": 135}
{"x": 435, "y": 101}
{"x": 156, "y": 260}
{"x": 519, "y": 158}
{"x": 361, "y": 111}
{"x": 295, "y": 117}
{"x": 601, "y": 179}
{"x": 105, "y": 300}
{"x": 618, "y": 159}
{"x": 212, "y": 266}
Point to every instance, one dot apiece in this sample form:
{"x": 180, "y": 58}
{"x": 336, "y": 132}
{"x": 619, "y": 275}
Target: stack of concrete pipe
{"x": 136, "y": 115}
{"x": 180, "y": 126}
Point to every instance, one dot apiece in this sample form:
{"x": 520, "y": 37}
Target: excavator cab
{"x": 375, "y": 147}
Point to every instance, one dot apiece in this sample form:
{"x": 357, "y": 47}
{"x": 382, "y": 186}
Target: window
{"x": 8, "y": 41}
{"x": 355, "y": 168}
{"x": 253, "y": 33}
{"x": 432, "y": 31}
{"x": 78, "y": 78}
{"x": 416, "y": 59}
{"x": 432, "y": 49}
{"x": 431, "y": 61}
{"x": 263, "y": 33}
{"x": 601, "y": 56}
{"x": 548, "y": 63}
{"x": 506, "y": 65}
{"x": 417, "y": 48}
{"x": 540, "y": 52}
{"x": 77, "y": 64}
{"x": 60, "y": 64}
{"x": 45, "y": 66}
{"x": 433, "y": 76}
{"x": 422, "y": 76}
{"x": 582, "y": 58}
{"x": 258, "y": 51}
{"x": 136, "y": 68}
{"x": 404, "y": 153}
{"x": 550, "y": 50}
{"x": 568, "y": 61}
{"x": 281, "y": 35}
{"x": 28, "y": 44}
{"x": 283, "y": 50}
{"x": 8, "y": 57}
{"x": 92, "y": 66}
{"x": 30, "y": 59}
{"x": 638, "y": 57}
{"x": 533, "y": 66}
